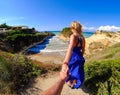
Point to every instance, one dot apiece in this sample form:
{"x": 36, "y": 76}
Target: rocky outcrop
{"x": 20, "y": 40}
{"x": 62, "y": 37}
{"x": 100, "y": 40}
{"x": 65, "y": 34}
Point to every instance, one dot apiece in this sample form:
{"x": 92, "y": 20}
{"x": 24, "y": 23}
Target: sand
{"x": 47, "y": 57}
{"x": 42, "y": 83}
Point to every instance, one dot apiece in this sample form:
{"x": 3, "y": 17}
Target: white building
{"x": 20, "y": 27}
{"x": 3, "y": 29}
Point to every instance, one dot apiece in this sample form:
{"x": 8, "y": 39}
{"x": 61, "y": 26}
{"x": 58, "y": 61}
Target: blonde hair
{"x": 77, "y": 26}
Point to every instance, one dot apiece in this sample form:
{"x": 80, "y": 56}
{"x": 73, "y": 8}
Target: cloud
{"x": 105, "y": 28}
{"x": 5, "y": 19}
{"x": 89, "y": 28}
{"x": 109, "y": 28}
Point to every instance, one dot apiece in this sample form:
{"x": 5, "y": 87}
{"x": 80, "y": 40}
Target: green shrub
{"x": 103, "y": 78}
{"x": 16, "y": 72}
{"x": 4, "y": 25}
{"x": 20, "y": 31}
{"x": 66, "y": 31}
{"x": 17, "y": 40}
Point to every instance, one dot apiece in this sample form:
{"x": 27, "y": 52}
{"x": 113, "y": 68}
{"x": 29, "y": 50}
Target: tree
{"x": 4, "y": 25}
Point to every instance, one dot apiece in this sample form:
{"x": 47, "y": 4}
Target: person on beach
{"x": 58, "y": 86}
{"x": 74, "y": 56}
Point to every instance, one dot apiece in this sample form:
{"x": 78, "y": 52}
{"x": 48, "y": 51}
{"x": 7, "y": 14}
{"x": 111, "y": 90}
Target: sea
{"x": 54, "y": 44}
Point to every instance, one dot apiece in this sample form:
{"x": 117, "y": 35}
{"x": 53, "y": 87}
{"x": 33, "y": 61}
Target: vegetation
{"x": 103, "y": 71}
{"x": 46, "y": 68}
{"x": 103, "y": 78}
{"x": 5, "y": 26}
{"x": 16, "y": 71}
{"x": 107, "y": 53}
{"x": 66, "y": 32}
{"x": 18, "y": 39}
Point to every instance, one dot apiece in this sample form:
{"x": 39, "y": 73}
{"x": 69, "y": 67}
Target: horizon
{"x": 53, "y": 15}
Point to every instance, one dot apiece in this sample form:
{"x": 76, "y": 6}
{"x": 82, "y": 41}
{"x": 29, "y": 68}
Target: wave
{"x": 53, "y": 45}
{"x": 48, "y": 50}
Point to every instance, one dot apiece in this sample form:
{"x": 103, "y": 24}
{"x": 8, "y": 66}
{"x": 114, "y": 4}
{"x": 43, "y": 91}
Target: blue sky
{"x": 57, "y": 14}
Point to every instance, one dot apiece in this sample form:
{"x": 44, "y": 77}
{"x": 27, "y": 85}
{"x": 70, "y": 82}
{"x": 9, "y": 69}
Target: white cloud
{"x": 105, "y": 28}
{"x": 5, "y": 19}
{"x": 109, "y": 28}
{"x": 89, "y": 28}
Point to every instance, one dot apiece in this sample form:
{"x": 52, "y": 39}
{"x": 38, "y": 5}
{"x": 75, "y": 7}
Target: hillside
{"x": 103, "y": 71}
{"x": 110, "y": 52}
{"x": 17, "y": 72}
{"x": 100, "y": 40}
{"x": 19, "y": 39}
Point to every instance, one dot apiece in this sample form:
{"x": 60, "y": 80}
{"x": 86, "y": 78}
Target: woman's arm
{"x": 73, "y": 41}
{"x": 83, "y": 45}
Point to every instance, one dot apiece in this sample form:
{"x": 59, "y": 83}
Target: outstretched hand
{"x": 64, "y": 73}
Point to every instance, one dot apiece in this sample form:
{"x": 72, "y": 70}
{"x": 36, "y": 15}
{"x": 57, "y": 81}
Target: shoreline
{"x": 94, "y": 43}
{"x": 25, "y": 50}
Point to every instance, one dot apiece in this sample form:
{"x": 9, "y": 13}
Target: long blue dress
{"x": 76, "y": 65}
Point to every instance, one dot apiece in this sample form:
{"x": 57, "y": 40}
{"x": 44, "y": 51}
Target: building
{"x": 3, "y": 29}
{"x": 20, "y": 27}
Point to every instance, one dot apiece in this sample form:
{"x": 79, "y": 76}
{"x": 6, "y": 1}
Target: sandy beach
{"x": 47, "y": 57}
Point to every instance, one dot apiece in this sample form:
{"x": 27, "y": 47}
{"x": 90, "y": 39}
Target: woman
{"x": 74, "y": 56}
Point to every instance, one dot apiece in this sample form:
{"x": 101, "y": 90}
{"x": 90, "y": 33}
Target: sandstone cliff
{"x": 98, "y": 41}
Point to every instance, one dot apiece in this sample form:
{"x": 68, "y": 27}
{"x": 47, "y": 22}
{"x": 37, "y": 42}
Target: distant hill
{"x": 19, "y": 39}
{"x": 101, "y": 40}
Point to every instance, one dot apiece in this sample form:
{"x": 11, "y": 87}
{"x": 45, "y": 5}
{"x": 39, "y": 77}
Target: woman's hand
{"x": 64, "y": 73}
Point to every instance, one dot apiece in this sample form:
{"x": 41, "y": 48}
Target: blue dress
{"x": 76, "y": 65}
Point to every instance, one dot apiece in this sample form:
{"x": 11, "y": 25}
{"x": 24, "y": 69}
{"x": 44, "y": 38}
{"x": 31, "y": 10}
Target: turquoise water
{"x": 86, "y": 34}
{"x": 54, "y": 44}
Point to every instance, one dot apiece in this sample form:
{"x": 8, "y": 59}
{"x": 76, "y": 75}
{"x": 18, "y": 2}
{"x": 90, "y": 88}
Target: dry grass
{"x": 107, "y": 53}
{"x": 47, "y": 67}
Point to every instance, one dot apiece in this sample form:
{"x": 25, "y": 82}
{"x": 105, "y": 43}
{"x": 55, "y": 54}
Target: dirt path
{"x": 42, "y": 83}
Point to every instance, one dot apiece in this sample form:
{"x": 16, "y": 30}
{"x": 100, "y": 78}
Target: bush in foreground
{"x": 103, "y": 77}
{"x": 16, "y": 72}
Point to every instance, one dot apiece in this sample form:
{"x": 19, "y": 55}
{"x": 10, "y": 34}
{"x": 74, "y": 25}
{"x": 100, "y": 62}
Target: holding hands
{"x": 64, "y": 73}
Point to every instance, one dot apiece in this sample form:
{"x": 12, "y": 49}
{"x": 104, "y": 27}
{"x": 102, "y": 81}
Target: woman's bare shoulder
{"x": 73, "y": 38}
